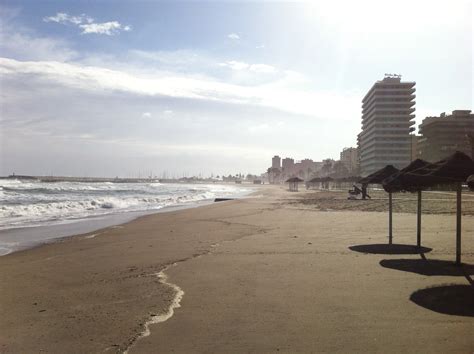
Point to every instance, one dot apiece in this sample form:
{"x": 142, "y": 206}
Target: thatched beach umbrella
{"x": 313, "y": 181}
{"x": 394, "y": 184}
{"x": 325, "y": 181}
{"x": 377, "y": 178}
{"x": 293, "y": 183}
{"x": 454, "y": 170}
{"x": 320, "y": 180}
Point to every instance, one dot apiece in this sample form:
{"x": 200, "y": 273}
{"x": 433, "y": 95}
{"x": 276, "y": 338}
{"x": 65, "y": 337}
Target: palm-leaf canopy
{"x": 395, "y": 182}
{"x": 294, "y": 180}
{"x": 378, "y": 176}
{"x": 453, "y": 169}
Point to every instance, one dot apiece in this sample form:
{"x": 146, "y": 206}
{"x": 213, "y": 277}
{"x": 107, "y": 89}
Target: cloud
{"x": 23, "y": 46}
{"x": 262, "y": 68}
{"x": 256, "y": 68}
{"x": 64, "y": 18}
{"x": 88, "y": 25}
{"x": 233, "y": 36}
{"x": 286, "y": 92}
{"x": 183, "y": 60}
{"x": 259, "y": 128}
{"x": 235, "y": 65}
{"x": 22, "y": 43}
{"x": 192, "y": 117}
{"x": 108, "y": 28}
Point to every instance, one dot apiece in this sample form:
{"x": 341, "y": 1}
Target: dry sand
{"x": 432, "y": 202}
{"x": 264, "y": 274}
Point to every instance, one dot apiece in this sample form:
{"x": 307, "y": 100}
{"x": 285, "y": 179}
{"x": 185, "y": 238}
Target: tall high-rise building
{"x": 441, "y": 136}
{"x": 276, "y": 161}
{"x": 387, "y": 119}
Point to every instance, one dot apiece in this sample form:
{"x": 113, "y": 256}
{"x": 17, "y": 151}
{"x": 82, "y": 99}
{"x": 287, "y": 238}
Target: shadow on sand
{"x": 385, "y": 248}
{"x": 448, "y": 299}
{"x": 429, "y": 267}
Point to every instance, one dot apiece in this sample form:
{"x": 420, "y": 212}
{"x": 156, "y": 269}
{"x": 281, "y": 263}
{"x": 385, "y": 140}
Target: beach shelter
{"x": 377, "y": 178}
{"x": 293, "y": 183}
{"x": 454, "y": 170}
{"x": 321, "y": 180}
{"x": 394, "y": 184}
{"x": 312, "y": 182}
{"x": 325, "y": 182}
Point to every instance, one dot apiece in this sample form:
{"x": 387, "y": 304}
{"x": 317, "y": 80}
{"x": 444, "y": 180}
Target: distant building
{"x": 304, "y": 169}
{"x": 287, "y": 164}
{"x": 350, "y": 158}
{"x": 441, "y": 136}
{"x": 387, "y": 119}
{"x": 414, "y": 147}
{"x": 274, "y": 175}
{"x": 276, "y": 161}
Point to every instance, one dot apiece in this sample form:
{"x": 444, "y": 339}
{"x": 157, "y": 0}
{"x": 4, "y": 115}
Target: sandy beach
{"x": 277, "y": 272}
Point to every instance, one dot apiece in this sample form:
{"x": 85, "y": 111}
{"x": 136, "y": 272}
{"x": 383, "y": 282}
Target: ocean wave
{"x": 28, "y": 203}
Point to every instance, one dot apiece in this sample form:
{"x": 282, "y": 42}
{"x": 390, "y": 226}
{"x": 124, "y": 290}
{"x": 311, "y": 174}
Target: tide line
{"x": 168, "y": 314}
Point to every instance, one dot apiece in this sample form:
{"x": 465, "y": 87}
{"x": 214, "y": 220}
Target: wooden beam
{"x": 418, "y": 221}
{"x": 390, "y": 235}
{"x": 458, "y": 223}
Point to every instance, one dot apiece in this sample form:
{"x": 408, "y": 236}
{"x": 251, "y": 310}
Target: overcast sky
{"x": 110, "y": 88}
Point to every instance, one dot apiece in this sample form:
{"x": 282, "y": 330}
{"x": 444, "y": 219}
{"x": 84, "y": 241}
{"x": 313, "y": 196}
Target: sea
{"x": 33, "y": 212}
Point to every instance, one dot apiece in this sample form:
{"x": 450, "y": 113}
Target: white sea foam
{"x": 5, "y": 250}
{"x": 176, "y": 303}
{"x": 170, "y": 312}
{"x": 31, "y": 203}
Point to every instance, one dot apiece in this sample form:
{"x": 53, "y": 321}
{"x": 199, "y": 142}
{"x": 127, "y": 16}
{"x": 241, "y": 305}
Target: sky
{"x": 129, "y": 88}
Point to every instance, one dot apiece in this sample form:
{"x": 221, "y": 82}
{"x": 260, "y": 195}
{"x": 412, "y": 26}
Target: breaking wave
{"x": 32, "y": 203}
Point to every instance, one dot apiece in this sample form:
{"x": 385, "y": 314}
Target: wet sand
{"x": 266, "y": 274}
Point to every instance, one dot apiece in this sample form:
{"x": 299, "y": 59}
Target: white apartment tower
{"x": 388, "y": 116}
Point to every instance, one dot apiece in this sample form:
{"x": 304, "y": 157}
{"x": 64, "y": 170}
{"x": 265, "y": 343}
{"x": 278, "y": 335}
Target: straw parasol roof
{"x": 315, "y": 180}
{"x": 395, "y": 182}
{"x": 294, "y": 180}
{"x": 454, "y": 169}
{"x": 293, "y": 183}
{"x": 378, "y": 176}
{"x": 320, "y": 179}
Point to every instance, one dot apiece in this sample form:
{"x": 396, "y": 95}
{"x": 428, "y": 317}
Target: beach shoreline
{"x": 258, "y": 275}
{"x": 25, "y": 237}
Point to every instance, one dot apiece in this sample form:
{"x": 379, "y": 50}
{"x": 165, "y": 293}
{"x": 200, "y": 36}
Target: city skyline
{"x": 192, "y": 88}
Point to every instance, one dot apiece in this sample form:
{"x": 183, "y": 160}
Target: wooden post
{"x": 458, "y": 224}
{"x": 418, "y": 221}
{"x": 390, "y": 218}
